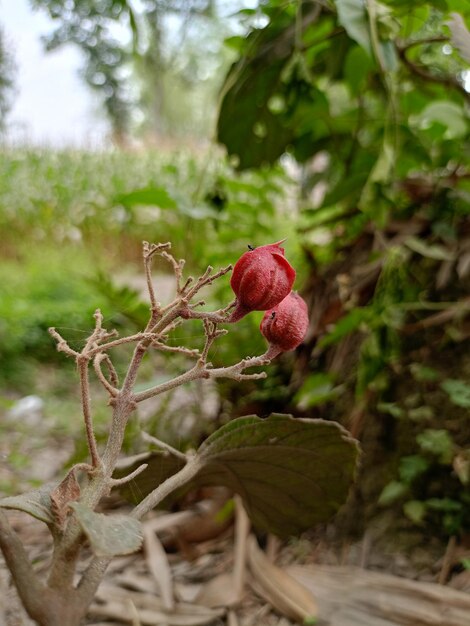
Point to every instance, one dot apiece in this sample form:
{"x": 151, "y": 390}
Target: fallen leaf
{"x": 285, "y": 594}
{"x": 158, "y": 565}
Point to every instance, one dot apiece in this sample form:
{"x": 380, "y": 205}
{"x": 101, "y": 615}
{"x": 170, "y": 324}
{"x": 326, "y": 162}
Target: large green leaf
{"x": 260, "y": 91}
{"x": 352, "y": 15}
{"x": 292, "y": 473}
{"x": 109, "y": 535}
{"x": 36, "y": 503}
{"x": 245, "y": 117}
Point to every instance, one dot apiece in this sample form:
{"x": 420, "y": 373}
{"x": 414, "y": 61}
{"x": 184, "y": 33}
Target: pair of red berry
{"x": 262, "y": 280}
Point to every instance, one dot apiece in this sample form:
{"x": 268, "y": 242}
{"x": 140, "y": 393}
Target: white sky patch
{"x": 52, "y": 105}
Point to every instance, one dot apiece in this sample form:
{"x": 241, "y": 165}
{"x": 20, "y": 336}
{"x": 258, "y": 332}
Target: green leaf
{"x": 245, "y": 116}
{"x": 411, "y": 467}
{"x": 316, "y": 389}
{"x": 459, "y": 392}
{"x": 349, "y": 188}
{"x": 421, "y": 413}
{"x": 247, "y": 125}
{"x": 235, "y": 43}
{"x": 291, "y": 473}
{"x": 36, "y": 503}
{"x": 380, "y": 173}
{"x": 415, "y": 510}
{"x": 153, "y": 196}
{"x": 465, "y": 562}
{"x": 357, "y": 67}
{"x": 448, "y": 114}
{"x": 444, "y": 504}
{"x": 391, "y": 408}
{"x": 352, "y": 15}
{"x": 346, "y": 325}
{"x": 392, "y": 492}
{"x": 437, "y": 442}
{"x": 109, "y": 535}
{"x": 423, "y": 373}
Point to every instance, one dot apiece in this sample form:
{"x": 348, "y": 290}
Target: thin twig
{"x": 156, "y": 330}
{"x": 119, "y": 342}
{"x": 204, "y": 371}
{"x": 99, "y": 358}
{"x": 82, "y": 363}
{"x": 179, "y": 349}
{"x": 149, "y": 251}
{"x": 419, "y": 70}
{"x": 166, "y": 487}
{"x": 214, "y": 316}
{"x": 192, "y": 374}
{"x": 177, "y": 270}
{"x": 114, "y": 482}
{"x": 99, "y": 333}
{"x": 236, "y": 371}
{"x": 62, "y": 345}
{"x": 161, "y": 444}
{"x": 95, "y": 335}
{"x": 113, "y": 375}
{"x": 212, "y": 333}
{"x": 422, "y": 42}
{"x": 206, "y": 279}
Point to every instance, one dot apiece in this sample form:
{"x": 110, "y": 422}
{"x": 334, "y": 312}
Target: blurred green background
{"x": 341, "y": 125}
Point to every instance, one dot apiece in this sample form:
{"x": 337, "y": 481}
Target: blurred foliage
{"x": 33, "y": 300}
{"x": 371, "y": 98}
{"x": 7, "y": 72}
{"x": 155, "y": 64}
{"x": 94, "y": 210}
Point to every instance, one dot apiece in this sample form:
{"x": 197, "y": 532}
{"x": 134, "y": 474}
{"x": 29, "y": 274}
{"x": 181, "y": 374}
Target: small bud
{"x": 261, "y": 278}
{"x": 285, "y": 326}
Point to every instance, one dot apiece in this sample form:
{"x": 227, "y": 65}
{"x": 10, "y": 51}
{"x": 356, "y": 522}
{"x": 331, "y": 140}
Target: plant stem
{"x": 94, "y": 573}
{"x": 166, "y": 487}
{"x": 193, "y": 374}
{"x": 29, "y": 588}
{"x": 82, "y": 363}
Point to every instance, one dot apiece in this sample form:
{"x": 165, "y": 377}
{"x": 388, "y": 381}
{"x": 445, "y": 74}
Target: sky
{"x": 52, "y": 105}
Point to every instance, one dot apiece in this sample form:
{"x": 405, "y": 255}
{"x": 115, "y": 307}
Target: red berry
{"x": 285, "y": 325}
{"x": 261, "y": 278}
